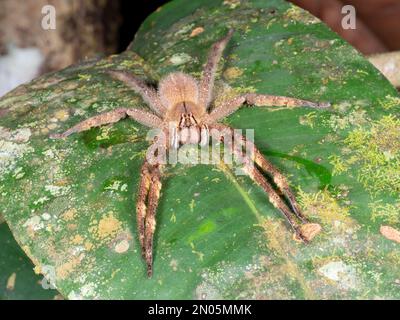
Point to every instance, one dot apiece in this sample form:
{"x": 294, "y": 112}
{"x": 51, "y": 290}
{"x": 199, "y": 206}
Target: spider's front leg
{"x": 141, "y": 116}
{"x": 259, "y": 100}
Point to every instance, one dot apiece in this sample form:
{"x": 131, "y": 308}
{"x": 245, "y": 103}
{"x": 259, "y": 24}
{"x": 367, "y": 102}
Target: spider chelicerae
{"x": 182, "y": 111}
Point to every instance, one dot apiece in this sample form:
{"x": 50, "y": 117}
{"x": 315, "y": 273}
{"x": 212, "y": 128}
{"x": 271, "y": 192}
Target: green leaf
{"x": 17, "y": 278}
{"x": 71, "y": 203}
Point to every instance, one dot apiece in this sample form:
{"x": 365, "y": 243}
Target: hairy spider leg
{"x": 270, "y": 169}
{"x": 258, "y": 178}
{"x": 148, "y": 93}
{"x": 207, "y": 79}
{"x": 148, "y": 198}
{"x": 146, "y": 118}
{"x": 201, "y": 95}
{"x": 258, "y": 100}
{"x": 146, "y": 207}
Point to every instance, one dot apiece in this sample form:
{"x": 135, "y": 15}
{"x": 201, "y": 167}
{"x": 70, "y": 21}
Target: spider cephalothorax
{"x": 184, "y": 114}
{"x": 183, "y": 109}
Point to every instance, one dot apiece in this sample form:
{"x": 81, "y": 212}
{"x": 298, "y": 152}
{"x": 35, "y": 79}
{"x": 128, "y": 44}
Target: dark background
{"x": 133, "y": 14}
{"x": 87, "y": 28}
{"x": 378, "y": 21}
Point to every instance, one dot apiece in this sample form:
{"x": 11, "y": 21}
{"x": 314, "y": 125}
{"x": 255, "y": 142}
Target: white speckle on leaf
{"x": 232, "y": 4}
{"x": 74, "y": 296}
{"x": 34, "y": 223}
{"x": 18, "y": 174}
{"x": 13, "y": 145}
{"x": 116, "y": 186}
{"x": 20, "y": 135}
{"x": 206, "y": 291}
{"x": 184, "y": 29}
{"x": 41, "y": 200}
{"x": 343, "y": 274}
{"x": 174, "y": 264}
{"x": 49, "y": 153}
{"x": 180, "y": 58}
{"x": 87, "y": 292}
{"x": 77, "y": 250}
{"x": 57, "y": 190}
{"x": 122, "y": 246}
{"x": 46, "y": 216}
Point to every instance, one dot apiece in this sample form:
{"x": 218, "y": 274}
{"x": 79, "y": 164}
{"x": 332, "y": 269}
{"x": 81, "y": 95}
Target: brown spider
{"x": 181, "y": 110}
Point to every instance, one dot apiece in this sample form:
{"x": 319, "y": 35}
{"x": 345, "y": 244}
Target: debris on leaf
{"x": 390, "y": 233}
{"x": 309, "y": 231}
{"x": 196, "y": 31}
{"x": 11, "y": 282}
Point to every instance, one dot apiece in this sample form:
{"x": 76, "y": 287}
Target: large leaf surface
{"x": 71, "y": 203}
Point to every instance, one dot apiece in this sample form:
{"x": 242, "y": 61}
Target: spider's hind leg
{"x": 306, "y": 231}
{"x": 276, "y": 201}
{"x": 265, "y": 165}
{"x": 278, "y": 178}
{"x": 281, "y": 182}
